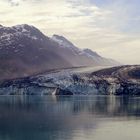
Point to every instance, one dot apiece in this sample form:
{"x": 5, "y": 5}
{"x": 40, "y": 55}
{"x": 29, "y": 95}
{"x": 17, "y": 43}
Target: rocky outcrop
{"x": 120, "y": 80}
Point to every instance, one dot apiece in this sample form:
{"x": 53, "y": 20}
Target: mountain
{"x": 24, "y": 50}
{"x": 84, "y": 57}
{"x": 99, "y": 59}
{"x": 71, "y": 53}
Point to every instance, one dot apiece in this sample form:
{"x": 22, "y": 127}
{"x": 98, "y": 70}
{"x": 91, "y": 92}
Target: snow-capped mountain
{"x": 87, "y": 53}
{"x": 63, "y": 42}
{"x": 24, "y": 50}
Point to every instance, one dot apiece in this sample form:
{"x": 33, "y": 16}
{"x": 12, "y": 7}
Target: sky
{"x": 109, "y": 27}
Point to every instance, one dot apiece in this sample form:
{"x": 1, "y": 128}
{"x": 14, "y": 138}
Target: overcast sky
{"x": 110, "y": 27}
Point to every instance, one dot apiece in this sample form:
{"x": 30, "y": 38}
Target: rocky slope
{"x": 25, "y": 51}
{"x": 122, "y": 80}
{"x": 85, "y": 57}
{"x": 99, "y": 60}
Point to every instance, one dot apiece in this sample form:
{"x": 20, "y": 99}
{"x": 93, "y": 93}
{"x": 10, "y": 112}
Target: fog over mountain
{"x": 24, "y": 50}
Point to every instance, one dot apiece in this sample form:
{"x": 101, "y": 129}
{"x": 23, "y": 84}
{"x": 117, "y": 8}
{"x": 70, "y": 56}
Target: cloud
{"x": 102, "y": 26}
{"x": 15, "y": 2}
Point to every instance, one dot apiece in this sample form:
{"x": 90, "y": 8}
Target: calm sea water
{"x": 69, "y": 118}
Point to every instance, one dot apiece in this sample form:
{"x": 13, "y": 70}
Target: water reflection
{"x": 64, "y": 117}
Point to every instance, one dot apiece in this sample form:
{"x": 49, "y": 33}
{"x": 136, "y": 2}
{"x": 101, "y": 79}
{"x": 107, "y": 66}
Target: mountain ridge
{"x": 25, "y": 50}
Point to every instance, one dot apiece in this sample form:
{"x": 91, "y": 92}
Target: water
{"x": 69, "y": 118}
